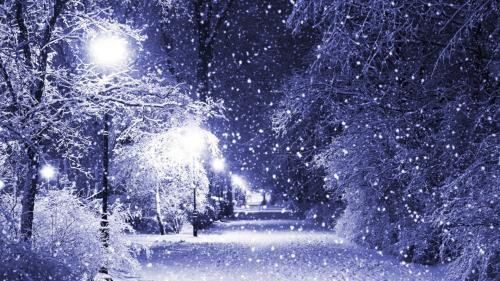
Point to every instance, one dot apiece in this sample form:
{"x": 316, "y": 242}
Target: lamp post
{"x": 195, "y": 213}
{"x": 218, "y": 166}
{"x": 48, "y": 173}
{"x": 192, "y": 144}
{"x": 237, "y": 182}
{"x": 107, "y": 51}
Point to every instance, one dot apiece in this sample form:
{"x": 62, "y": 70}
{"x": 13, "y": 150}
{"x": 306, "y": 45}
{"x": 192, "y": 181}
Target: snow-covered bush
{"x": 68, "y": 229}
{"x": 19, "y": 261}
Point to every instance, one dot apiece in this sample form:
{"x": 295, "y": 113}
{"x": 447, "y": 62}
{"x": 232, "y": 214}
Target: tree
{"x": 161, "y": 171}
{"x": 27, "y": 63}
{"x": 51, "y": 90}
{"x": 410, "y": 88}
{"x": 208, "y": 17}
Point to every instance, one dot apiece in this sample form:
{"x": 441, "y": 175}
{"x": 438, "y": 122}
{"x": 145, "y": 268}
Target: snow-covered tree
{"x": 64, "y": 65}
{"x": 163, "y": 170}
{"x": 208, "y": 18}
{"x": 404, "y": 94}
{"x": 54, "y": 85}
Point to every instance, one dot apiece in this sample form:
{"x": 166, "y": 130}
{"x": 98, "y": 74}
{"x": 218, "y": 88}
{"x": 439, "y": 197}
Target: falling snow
{"x": 249, "y": 140}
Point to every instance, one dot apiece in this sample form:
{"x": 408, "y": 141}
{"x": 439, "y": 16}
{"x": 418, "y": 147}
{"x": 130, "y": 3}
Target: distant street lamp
{"x": 48, "y": 172}
{"x": 192, "y": 144}
{"x": 107, "y": 50}
{"x": 240, "y": 183}
{"x": 218, "y": 165}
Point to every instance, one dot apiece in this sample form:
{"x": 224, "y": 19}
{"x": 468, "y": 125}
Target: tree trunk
{"x": 158, "y": 212}
{"x": 28, "y": 201}
{"x": 203, "y": 71}
{"x": 205, "y": 51}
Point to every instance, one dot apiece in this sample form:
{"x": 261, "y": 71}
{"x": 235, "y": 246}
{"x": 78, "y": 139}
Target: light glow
{"x": 185, "y": 145}
{"x": 218, "y": 165}
{"x": 239, "y": 183}
{"x": 193, "y": 141}
{"x": 48, "y": 172}
{"x": 108, "y": 50}
{"x": 2, "y": 184}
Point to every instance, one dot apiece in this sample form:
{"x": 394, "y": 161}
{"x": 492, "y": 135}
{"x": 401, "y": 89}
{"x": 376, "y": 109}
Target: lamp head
{"x": 218, "y": 165}
{"x": 193, "y": 141}
{"x": 239, "y": 183}
{"x": 48, "y": 172}
{"x": 108, "y": 50}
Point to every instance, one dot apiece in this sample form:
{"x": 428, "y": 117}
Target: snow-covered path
{"x": 268, "y": 250}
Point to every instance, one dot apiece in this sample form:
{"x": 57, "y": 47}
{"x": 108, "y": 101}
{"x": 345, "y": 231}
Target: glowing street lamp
{"x": 238, "y": 181}
{"x": 193, "y": 142}
{"x": 47, "y": 172}
{"x": 108, "y": 50}
{"x": 189, "y": 144}
{"x": 218, "y": 165}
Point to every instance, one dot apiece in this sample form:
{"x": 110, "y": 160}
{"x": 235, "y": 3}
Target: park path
{"x": 268, "y": 250}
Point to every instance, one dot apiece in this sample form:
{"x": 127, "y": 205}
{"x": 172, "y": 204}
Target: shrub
{"x": 66, "y": 242}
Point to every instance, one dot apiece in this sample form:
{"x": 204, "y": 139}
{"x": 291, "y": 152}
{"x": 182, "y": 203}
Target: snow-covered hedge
{"x": 66, "y": 242}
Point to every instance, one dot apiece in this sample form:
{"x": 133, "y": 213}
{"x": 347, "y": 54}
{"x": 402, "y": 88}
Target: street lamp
{"x": 218, "y": 165}
{"x": 47, "y": 172}
{"x": 107, "y": 50}
{"x": 240, "y": 183}
{"x": 192, "y": 143}
{"x": 188, "y": 146}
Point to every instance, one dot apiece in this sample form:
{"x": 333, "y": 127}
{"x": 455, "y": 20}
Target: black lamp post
{"x": 195, "y": 214}
{"x": 107, "y": 51}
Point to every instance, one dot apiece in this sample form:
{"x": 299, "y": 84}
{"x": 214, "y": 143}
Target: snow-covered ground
{"x": 268, "y": 250}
